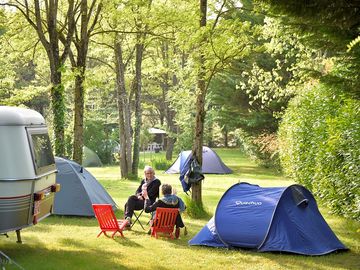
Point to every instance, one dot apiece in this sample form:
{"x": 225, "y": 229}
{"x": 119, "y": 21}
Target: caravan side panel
{"x": 15, "y": 156}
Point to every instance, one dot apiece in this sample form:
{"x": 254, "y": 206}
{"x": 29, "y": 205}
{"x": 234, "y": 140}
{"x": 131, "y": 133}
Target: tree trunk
{"x": 200, "y": 112}
{"x": 199, "y": 135}
{"x": 226, "y": 137}
{"x": 82, "y": 44}
{"x": 166, "y": 110}
{"x": 79, "y": 113}
{"x": 172, "y": 127}
{"x": 137, "y": 89}
{"x": 58, "y": 109}
{"x": 124, "y": 111}
{"x": 82, "y": 47}
{"x": 170, "y": 143}
{"x": 57, "y": 89}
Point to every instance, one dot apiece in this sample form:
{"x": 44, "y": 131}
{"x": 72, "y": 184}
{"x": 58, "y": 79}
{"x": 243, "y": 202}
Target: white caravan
{"x": 27, "y": 169}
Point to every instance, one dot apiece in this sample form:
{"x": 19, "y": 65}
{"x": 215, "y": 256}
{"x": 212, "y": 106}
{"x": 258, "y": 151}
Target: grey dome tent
{"x": 211, "y": 162}
{"x": 90, "y": 158}
{"x": 79, "y": 190}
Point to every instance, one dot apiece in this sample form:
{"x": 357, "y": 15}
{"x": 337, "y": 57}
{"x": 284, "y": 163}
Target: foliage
{"x": 253, "y": 93}
{"x": 161, "y": 164}
{"x": 353, "y": 43}
{"x": 312, "y": 151}
{"x": 263, "y": 149}
{"x": 99, "y": 138}
{"x": 195, "y": 209}
{"x": 183, "y": 102}
{"x": 20, "y": 82}
{"x": 319, "y": 136}
{"x": 328, "y": 26}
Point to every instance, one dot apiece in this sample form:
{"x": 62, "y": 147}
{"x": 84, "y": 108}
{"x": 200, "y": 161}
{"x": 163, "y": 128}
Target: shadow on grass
{"x": 336, "y": 260}
{"x": 124, "y": 241}
{"x": 139, "y": 232}
{"x": 77, "y": 220}
{"x": 283, "y": 260}
{"x": 71, "y": 221}
{"x": 256, "y": 170}
{"x": 71, "y": 242}
{"x": 40, "y": 258}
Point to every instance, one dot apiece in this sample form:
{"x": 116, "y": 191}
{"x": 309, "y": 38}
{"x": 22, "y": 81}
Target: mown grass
{"x": 71, "y": 243}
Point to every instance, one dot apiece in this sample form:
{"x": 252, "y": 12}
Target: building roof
{"x": 156, "y": 131}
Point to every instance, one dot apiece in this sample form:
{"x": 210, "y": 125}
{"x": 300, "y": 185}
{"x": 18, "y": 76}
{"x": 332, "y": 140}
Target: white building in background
{"x": 159, "y": 142}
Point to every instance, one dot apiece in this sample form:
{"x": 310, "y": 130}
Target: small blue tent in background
{"x": 211, "y": 162}
{"x": 269, "y": 219}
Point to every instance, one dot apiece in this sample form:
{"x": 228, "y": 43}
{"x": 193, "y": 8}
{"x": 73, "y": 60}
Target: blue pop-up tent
{"x": 283, "y": 219}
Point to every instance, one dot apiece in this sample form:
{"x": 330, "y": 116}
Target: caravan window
{"x": 41, "y": 150}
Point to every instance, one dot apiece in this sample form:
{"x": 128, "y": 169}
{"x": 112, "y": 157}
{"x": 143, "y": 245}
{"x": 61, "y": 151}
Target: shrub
{"x": 161, "y": 164}
{"x": 263, "y": 149}
{"x": 319, "y": 147}
{"x": 194, "y": 209}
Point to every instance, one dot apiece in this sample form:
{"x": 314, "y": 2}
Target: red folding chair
{"x": 164, "y": 222}
{"x": 107, "y": 220}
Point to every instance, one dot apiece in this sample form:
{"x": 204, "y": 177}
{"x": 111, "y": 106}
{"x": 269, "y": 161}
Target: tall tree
{"x": 89, "y": 16}
{"x": 170, "y": 80}
{"x": 141, "y": 29}
{"x": 45, "y": 18}
{"x": 124, "y": 109}
{"x": 200, "y": 106}
{"x": 219, "y": 42}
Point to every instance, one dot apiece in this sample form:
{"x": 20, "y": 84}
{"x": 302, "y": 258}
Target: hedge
{"x": 319, "y": 141}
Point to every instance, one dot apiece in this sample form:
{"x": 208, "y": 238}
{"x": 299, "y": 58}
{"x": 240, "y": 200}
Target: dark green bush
{"x": 195, "y": 210}
{"x": 319, "y": 147}
{"x": 99, "y": 138}
{"x": 161, "y": 164}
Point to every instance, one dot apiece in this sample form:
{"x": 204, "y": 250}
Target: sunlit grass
{"x": 70, "y": 242}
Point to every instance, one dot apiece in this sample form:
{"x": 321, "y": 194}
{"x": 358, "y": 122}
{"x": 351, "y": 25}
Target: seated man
{"x": 168, "y": 201}
{"x": 150, "y": 184}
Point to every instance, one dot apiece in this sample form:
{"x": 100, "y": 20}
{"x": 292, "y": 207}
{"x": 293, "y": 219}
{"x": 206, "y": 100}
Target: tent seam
{"x": 272, "y": 217}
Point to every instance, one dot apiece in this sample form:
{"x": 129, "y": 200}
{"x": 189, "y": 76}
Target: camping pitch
{"x": 269, "y": 219}
{"x": 211, "y": 162}
{"x": 79, "y": 190}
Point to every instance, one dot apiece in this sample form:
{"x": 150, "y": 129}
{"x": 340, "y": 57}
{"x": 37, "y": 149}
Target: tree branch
{"x": 103, "y": 62}
{"x": 98, "y": 10}
{"x": 71, "y": 28}
{"x": 218, "y": 15}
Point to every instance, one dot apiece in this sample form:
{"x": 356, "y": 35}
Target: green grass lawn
{"x": 71, "y": 243}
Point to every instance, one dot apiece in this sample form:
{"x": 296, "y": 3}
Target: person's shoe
{"x": 177, "y": 233}
{"x": 128, "y": 225}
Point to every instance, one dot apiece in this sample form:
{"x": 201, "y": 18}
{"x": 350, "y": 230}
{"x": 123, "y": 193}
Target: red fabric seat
{"x": 164, "y": 222}
{"x": 107, "y": 220}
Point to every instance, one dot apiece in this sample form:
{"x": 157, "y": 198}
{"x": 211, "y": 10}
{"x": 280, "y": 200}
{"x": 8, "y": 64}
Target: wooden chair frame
{"x": 164, "y": 222}
{"x": 108, "y": 221}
